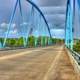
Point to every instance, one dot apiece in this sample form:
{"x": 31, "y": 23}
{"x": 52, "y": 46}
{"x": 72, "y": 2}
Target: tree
{"x": 31, "y": 41}
{"x": 77, "y": 47}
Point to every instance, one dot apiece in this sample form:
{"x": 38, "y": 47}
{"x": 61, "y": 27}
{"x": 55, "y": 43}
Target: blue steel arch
{"x": 13, "y": 13}
{"x": 66, "y": 22}
{"x": 32, "y": 3}
{"x": 78, "y": 3}
{"x": 69, "y": 26}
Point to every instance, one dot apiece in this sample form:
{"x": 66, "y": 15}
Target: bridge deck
{"x": 51, "y": 63}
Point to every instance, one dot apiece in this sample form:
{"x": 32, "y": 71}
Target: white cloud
{"x": 5, "y": 25}
{"x": 58, "y": 33}
{"x": 13, "y": 31}
{"x": 4, "y": 28}
{"x": 13, "y": 25}
{"x": 25, "y": 23}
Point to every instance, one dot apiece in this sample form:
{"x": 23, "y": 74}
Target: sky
{"x": 55, "y": 13}
{"x": 53, "y": 10}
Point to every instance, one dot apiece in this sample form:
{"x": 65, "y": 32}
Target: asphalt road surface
{"x": 50, "y": 63}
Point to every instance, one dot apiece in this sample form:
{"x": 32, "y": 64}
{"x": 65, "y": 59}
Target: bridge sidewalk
{"x": 62, "y": 69}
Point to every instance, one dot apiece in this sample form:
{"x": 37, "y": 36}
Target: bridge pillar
{"x": 42, "y": 41}
{"x": 70, "y": 14}
{"x": 24, "y": 42}
{"x": 45, "y": 41}
{"x": 49, "y": 41}
{"x": 36, "y": 42}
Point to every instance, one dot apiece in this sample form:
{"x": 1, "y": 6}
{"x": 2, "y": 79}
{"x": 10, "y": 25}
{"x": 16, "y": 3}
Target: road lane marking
{"x": 52, "y": 65}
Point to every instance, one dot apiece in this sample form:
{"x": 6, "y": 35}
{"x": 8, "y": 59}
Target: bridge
{"x": 35, "y": 54}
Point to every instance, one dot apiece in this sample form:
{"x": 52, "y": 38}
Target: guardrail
{"x": 75, "y": 59}
{"x": 76, "y": 56}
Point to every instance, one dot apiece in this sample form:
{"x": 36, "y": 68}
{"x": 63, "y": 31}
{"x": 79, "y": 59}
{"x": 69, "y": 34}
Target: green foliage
{"x": 19, "y": 42}
{"x": 1, "y": 40}
{"x": 77, "y": 46}
{"x": 32, "y": 41}
{"x": 16, "y": 42}
{"x": 57, "y": 41}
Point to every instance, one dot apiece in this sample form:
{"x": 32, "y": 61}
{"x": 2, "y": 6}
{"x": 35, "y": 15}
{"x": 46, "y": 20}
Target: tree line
{"x": 31, "y": 41}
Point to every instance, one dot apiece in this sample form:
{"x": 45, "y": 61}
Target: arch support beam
{"x": 70, "y": 14}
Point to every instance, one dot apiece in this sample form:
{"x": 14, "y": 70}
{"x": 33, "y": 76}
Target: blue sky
{"x": 54, "y": 11}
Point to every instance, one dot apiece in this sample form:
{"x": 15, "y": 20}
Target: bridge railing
{"x": 75, "y": 55}
{"x": 74, "y": 59}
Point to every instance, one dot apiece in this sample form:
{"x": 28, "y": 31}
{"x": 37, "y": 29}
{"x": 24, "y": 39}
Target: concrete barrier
{"x": 74, "y": 62}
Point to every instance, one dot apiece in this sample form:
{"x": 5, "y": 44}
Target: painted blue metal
{"x": 71, "y": 28}
{"x": 10, "y": 23}
{"x": 41, "y": 14}
{"x": 66, "y": 25}
{"x": 78, "y": 3}
{"x": 13, "y": 14}
{"x": 20, "y": 7}
{"x": 69, "y": 23}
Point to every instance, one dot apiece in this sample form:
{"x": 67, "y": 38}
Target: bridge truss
{"x": 70, "y": 22}
{"x": 29, "y": 21}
